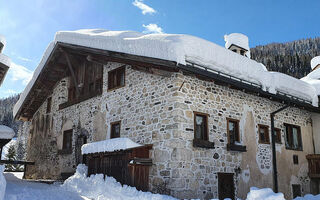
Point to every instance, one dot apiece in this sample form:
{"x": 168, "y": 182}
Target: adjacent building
{"x": 204, "y": 109}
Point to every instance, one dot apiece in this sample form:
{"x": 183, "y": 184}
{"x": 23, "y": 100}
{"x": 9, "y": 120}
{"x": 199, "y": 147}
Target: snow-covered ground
{"x": 81, "y": 187}
{"x": 18, "y": 189}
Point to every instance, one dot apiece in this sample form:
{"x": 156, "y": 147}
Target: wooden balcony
{"x": 314, "y": 165}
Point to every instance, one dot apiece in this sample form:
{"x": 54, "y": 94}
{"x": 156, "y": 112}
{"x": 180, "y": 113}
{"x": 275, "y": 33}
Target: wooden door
{"x": 226, "y": 185}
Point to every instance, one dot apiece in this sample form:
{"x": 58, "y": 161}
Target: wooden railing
{"x": 314, "y": 165}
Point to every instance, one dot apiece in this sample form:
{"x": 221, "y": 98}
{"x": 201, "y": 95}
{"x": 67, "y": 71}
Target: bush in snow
{"x": 265, "y": 194}
{"x": 97, "y": 187}
{"x": 2, "y": 183}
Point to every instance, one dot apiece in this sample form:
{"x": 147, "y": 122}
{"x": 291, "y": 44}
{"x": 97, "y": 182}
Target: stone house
{"x": 205, "y": 109}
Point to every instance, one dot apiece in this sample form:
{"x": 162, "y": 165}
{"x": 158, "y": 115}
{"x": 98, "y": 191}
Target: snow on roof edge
{"x": 109, "y": 145}
{"x": 171, "y": 47}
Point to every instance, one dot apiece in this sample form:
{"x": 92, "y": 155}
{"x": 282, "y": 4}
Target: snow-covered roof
{"x": 181, "y": 49}
{"x": 238, "y": 39}
{"x": 315, "y": 62}
{"x": 109, "y": 145}
{"x": 3, "y": 40}
{"x": 6, "y": 132}
{"x": 5, "y": 60}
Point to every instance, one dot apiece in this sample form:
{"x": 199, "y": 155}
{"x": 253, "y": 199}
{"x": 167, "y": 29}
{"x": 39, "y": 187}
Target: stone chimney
{"x": 315, "y": 63}
{"x": 238, "y": 43}
{"x": 2, "y": 43}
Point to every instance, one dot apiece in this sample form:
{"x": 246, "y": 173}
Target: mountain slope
{"x": 292, "y": 58}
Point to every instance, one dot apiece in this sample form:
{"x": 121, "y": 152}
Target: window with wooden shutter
{"x": 200, "y": 126}
{"x": 115, "y": 129}
{"x": 67, "y": 141}
{"x": 263, "y": 134}
{"x": 293, "y": 137}
{"x": 233, "y": 131}
{"x": 116, "y": 78}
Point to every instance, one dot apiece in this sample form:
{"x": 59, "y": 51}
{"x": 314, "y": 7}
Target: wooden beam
{"x": 72, "y": 73}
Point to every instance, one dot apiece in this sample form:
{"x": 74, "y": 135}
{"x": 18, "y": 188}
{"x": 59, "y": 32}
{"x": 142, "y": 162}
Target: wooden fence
{"x": 130, "y": 166}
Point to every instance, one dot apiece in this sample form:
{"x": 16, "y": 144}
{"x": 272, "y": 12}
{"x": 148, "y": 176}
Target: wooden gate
{"x": 130, "y": 166}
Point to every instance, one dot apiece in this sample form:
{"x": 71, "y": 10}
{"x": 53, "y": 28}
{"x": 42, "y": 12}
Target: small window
{"x": 277, "y": 133}
{"x": 67, "y": 140}
{"x": 115, "y": 130}
{"x": 49, "y": 105}
{"x": 242, "y": 52}
{"x": 200, "y": 126}
{"x": 264, "y": 134}
{"x": 295, "y": 159}
{"x": 296, "y": 190}
{"x": 234, "y": 50}
{"x": 116, "y": 78}
{"x": 293, "y": 137}
{"x": 233, "y": 131}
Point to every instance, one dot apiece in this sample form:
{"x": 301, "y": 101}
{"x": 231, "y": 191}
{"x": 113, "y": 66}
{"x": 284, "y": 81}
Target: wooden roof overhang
{"x": 3, "y": 71}
{"x": 56, "y": 68}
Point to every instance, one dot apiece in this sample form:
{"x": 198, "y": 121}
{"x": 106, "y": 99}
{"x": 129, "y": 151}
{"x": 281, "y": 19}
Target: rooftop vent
{"x": 315, "y": 63}
{"x": 238, "y": 43}
{"x": 2, "y": 43}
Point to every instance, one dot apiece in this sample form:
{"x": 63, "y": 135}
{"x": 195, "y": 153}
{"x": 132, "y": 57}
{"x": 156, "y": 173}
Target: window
{"x": 115, "y": 129}
{"x": 242, "y": 52}
{"x": 293, "y": 137}
{"x": 264, "y": 134}
{"x": 233, "y": 131}
{"x": 200, "y": 126}
{"x": 89, "y": 82}
{"x": 49, "y": 104}
{"x": 67, "y": 141}
{"x": 116, "y": 78}
{"x": 296, "y": 190}
{"x": 295, "y": 159}
{"x": 277, "y": 133}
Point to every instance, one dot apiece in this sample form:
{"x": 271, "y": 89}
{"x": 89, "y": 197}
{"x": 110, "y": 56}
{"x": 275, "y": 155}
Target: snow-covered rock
{"x": 178, "y": 48}
{"x": 6, "y": 132}
{"x": 96, "y": 187}
{"x": 264, "y": 194}
{"x": 109, "y": 145}
{"x": 2, "y": 183}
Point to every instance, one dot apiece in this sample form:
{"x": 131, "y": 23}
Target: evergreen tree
{"x": 11, "y": 155}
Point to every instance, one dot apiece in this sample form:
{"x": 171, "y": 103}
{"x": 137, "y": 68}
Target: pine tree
{"x": 11, "y": 155}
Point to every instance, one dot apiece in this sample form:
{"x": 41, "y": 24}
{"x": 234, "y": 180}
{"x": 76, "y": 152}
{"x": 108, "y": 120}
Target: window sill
{"x": 288, "y": 148}
{"x": 64, "y": 151}
{"x": 115, "y": 88}
{"x": 80, "y": 99}
{"x": 235, "y": 147}
{"x": 203, "y": 144}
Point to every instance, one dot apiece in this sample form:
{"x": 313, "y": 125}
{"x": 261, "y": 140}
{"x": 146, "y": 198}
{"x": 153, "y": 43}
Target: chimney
{"x": 238, "y": 43}
{"x": 2, "y": 43}
{"x": 315, "y": 63}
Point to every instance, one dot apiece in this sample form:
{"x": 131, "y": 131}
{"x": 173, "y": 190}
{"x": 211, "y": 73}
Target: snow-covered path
{"x": 18, "y": 189}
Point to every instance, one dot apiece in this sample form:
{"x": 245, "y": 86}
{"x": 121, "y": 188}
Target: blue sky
{"x": 29, "y": 25}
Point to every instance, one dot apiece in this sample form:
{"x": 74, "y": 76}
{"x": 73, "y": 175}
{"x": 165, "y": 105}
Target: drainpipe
{"x": 274, "y": 158}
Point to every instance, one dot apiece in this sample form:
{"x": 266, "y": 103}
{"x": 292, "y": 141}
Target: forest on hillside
{"x": 292, "y": 58}
{"x": 6, "y": 116}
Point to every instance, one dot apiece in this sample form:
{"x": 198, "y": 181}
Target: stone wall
{"x": 158, "y": 109}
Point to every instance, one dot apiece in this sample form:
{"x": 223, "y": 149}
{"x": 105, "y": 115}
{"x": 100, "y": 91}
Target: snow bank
{"x": 264, "y": 194}
{"x": 308, "y": 197}
{"x": 315, "y": 62}
{"x": 5, "y": 60}
{"x": 95, "y": 187}
{"x": 6, "y": 132}
{"x": 109, "y": 145}
{"x": 2, "y": 183}
{"x": 172, "y": 47}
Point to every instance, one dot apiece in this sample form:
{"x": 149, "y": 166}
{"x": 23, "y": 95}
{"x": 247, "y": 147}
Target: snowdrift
{"x": 2, "y": 183}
